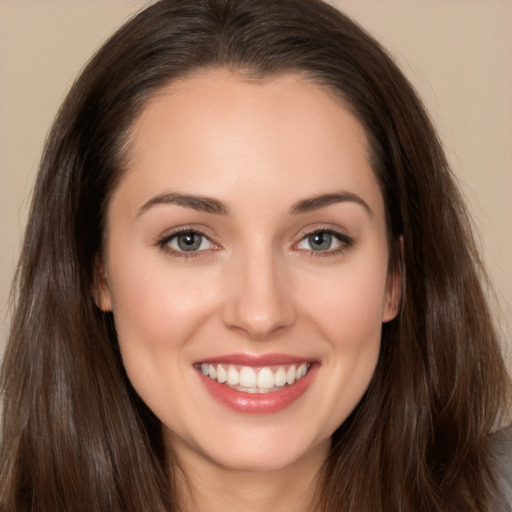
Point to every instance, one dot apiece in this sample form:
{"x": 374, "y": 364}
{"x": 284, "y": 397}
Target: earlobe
{"x": 101, "y": 287}
{"x": 393, "y": 296}
{"x": 394, "y": 286}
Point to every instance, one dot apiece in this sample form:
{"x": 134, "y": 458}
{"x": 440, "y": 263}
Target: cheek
{"x": 157, "y": 311}
{"x": 348, "y": 306}
{"x": 347, "y": 310}
{"x": 158, "y": 314}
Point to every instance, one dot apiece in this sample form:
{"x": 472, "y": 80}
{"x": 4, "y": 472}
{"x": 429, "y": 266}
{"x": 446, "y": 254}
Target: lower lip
{"x": 258, "y": 403}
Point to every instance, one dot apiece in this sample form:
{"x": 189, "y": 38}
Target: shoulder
{"x": 502, "y": 448}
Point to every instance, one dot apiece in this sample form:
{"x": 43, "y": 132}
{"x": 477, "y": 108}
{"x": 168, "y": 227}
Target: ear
{"x": 394, "y": 286}
{"x": 101, "y": 287}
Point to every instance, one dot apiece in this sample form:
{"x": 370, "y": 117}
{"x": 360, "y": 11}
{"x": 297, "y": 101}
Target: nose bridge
{"x": 260, "y": 303}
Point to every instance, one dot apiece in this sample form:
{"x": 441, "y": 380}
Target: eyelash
{"x": 345, "y": 243}
{"x": 163, "y": 243}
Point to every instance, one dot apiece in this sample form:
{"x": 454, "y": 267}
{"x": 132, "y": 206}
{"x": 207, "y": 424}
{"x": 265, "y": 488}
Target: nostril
{"x": 261, "y": 322}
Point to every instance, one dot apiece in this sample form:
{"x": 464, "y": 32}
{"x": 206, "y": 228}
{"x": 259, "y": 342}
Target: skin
{"x": 256, "y": 285}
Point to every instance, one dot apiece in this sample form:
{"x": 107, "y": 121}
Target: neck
{"x": 208, "y": 487}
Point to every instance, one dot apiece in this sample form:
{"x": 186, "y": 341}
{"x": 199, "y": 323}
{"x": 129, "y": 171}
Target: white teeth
{"x": 280, "y": 377}
{"x": 233, "y": 376}
{"x": 290, "y": 375}
{"x": 255, "y": 380}
{"x": 265, "y": 378}
{"x": 247, "y": 377}
{"x": 301, "y": 371}
{"x": 222, "y": 375}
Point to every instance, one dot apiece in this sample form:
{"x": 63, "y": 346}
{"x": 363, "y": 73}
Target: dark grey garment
{"x": 502, "y": 446}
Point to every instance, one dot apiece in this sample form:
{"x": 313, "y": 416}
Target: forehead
{"x": 217, "y": 133}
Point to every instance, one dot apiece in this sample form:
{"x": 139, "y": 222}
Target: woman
{"x": 248, "y": 282}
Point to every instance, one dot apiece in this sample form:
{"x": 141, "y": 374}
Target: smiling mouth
{"x": 249, "y": 379}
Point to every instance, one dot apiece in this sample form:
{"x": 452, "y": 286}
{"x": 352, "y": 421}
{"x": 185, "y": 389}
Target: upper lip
{"x": 247, "y": 359}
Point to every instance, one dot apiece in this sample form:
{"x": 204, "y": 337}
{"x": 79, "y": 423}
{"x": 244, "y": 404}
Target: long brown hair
{"x": 75, "y": 434}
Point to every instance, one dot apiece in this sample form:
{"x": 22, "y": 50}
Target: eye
{"x": 187, "y": 241}
{"x": 324, "y": 240}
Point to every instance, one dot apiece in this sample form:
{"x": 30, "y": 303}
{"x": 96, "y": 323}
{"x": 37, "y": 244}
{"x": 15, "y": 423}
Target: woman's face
{"x": 246, "y": 246}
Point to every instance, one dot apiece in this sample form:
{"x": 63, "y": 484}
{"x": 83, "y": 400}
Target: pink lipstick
{"x": 256, "y": 384}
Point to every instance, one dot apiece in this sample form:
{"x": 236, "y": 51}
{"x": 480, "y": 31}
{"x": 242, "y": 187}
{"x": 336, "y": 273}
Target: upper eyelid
{"x": 309, "y": 230}
{"x": 199, "y": 230}
{"x": 170, "y": 236}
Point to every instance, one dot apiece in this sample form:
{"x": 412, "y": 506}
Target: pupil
{"x": 320, "y": 241}
{"x": 189, "y": 241}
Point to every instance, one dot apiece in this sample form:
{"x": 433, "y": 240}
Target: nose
{"x": 260, "y": 302}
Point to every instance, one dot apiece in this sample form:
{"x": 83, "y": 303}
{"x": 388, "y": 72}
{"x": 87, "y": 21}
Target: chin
{"x": 264, "y": 452}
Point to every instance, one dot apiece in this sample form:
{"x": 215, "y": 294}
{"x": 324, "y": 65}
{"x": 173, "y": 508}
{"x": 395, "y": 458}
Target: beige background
{"x": 458, "y": 53}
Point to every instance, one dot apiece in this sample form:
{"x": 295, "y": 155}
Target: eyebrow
{"x": 211, "y": 205}
{"x": 324, "y": 200}
{"x": 199, "y": 203}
